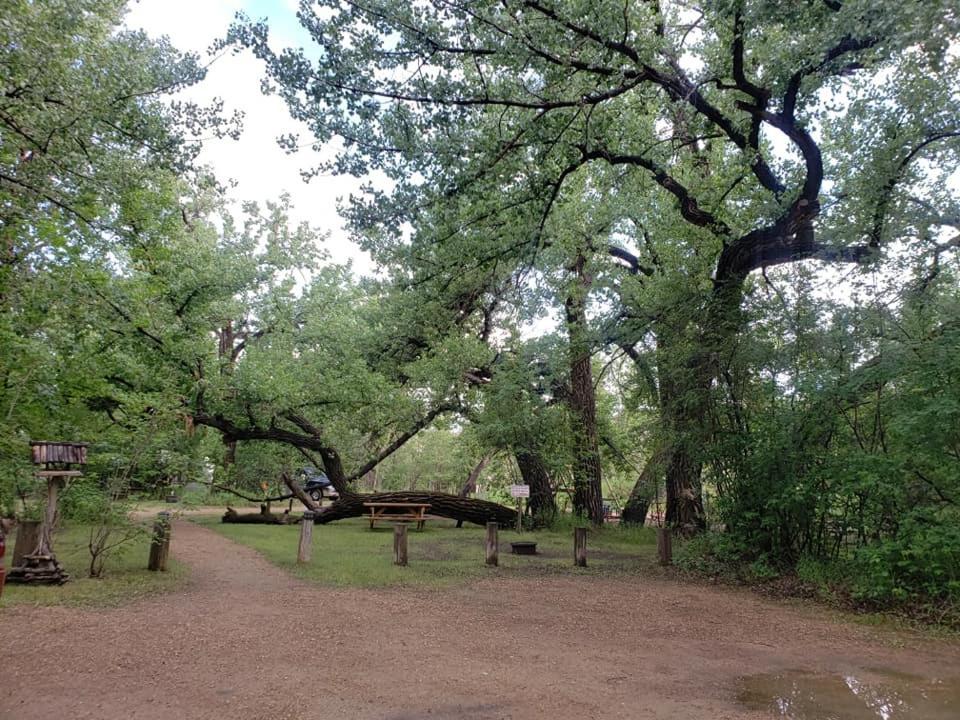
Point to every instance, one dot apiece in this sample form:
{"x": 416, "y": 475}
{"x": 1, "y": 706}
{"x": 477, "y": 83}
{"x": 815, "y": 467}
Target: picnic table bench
{"x": 392, "y": 511}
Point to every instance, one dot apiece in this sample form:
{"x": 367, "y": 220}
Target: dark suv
{"x": 316, "y": 484}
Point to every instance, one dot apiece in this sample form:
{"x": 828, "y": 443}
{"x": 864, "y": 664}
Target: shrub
{"x": 922, "y": 560}
{"x": 84, "y": 501}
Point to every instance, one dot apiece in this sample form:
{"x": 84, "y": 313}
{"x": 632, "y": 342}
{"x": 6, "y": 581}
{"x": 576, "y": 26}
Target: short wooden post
{"x": 399, "y": 544}
{"x": 160, "y": 544}
{"x": 493, "y": 546}
{"x": 306, "y": 537}
{"x": 664, "y": 546}
{"x": 580, "y": 547}
{"x": 165, "y": 547}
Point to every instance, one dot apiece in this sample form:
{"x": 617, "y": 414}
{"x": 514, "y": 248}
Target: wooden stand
{"x": 580, "y": 547}
{"x": 40, "y": 566}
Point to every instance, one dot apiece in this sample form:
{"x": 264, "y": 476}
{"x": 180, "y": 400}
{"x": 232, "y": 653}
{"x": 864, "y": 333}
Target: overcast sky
{"x": 259, "y": 167}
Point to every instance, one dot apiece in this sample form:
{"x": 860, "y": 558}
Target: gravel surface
{"x": 245, "y": 641}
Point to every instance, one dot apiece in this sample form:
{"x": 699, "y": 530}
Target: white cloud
{"x": 260, "y": 169}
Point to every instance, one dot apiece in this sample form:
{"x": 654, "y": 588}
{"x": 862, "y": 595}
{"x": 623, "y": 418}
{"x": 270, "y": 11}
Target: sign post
{"x": 520, "y": 491}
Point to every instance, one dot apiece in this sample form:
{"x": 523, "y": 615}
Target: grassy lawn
{"x": 348, "y": 553}
{"x": 126, "y": 577}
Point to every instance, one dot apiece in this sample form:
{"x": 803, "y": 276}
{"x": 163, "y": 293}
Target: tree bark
{"x": 542, "y": 504}
{"x": 470, "y": 485}
{"x": 638, "y": 504}
{"x": 225, "y": 350}
{"x": 687, "y": 371}
{"x": 587, "y": 472}
{"x": 683, "y": 402}
{"x": 471, "y": 510}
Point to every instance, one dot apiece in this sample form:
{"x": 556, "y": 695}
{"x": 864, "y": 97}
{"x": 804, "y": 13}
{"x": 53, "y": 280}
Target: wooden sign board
{"x": 519, "y": 491}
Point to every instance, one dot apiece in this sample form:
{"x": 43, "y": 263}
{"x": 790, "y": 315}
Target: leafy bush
{"x": 706, "y": 554}
{"x": 84, "y": 501}
{"x": 921, "y": 561}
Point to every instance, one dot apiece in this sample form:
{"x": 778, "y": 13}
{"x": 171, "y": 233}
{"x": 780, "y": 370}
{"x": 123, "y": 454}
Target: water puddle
{"x": 862, "y": 695}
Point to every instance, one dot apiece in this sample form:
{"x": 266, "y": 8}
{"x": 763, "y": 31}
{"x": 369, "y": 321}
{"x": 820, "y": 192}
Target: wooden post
{"x": 399, "y": 544}
{"x": 519, "y": 516}
{"x": 160, "y": 544}
{"x": 45, "y": 541}
{"x": 493, "y": 547}
{"x": 664, "y": 546}
{"x": 306, "y": 537}
{"x": 580, "y": 547}
{"x": 165, "y": 545}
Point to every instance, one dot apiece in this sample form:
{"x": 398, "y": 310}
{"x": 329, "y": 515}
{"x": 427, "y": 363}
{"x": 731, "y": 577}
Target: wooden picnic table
{"x": 402, "y": 512}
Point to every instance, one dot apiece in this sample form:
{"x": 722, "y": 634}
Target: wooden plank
{"x": 45, "y": 451}
{"x": 58, "y": 473}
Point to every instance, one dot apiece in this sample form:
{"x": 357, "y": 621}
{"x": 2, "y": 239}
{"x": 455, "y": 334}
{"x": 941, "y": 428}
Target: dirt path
{"x": 236, "y": 643}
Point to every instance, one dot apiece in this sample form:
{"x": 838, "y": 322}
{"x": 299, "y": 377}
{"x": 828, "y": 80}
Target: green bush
{"x": 84, "y": 501}
{"x": 922, "y": 560}
{"x": 706, "y": 554}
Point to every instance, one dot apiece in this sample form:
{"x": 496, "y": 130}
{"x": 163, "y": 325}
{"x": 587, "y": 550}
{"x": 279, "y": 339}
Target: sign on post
{"x": 520, "y": 491}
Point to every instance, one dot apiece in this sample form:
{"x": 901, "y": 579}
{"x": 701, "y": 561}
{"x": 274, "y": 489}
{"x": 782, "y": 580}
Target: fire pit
{"x": 524, "y": 547}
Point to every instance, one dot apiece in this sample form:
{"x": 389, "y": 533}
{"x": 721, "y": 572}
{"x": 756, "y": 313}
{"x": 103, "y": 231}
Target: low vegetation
{"x": 125, "y": 577}
{"x": 349, "y": 554}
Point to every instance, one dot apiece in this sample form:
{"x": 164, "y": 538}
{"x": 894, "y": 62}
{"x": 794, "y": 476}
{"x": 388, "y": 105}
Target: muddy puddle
{"x": 861, "y": 695}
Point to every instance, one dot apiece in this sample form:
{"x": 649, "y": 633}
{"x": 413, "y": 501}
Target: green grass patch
{"x": 348, "y": 554}
{"x": 126, "y": 577}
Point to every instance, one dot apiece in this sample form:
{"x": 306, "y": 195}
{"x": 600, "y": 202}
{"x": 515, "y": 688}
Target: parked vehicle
{"x": 316, "y": 484}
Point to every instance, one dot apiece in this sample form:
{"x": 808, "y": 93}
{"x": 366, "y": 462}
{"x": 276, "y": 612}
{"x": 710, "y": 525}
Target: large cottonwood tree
{"x": 741, "y": 134}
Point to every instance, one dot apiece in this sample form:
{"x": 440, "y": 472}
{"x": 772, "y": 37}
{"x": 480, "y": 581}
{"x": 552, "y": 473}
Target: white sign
{"x": 520, "y": 491}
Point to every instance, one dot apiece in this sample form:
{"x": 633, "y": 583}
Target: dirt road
{"x": 244, "y": 640}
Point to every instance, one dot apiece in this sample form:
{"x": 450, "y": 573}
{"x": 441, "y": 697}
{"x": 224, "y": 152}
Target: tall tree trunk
{"x": 229, "y": 452}
{"x": 587, "y": 492}
{"x": 333, "y": 467}
{"x": 225, "y": 353}
{"x": 638, "y": 504}
{"x": 470, "y": 486}
{"x": 687, "y": 370}
{"x": 542, "y": 504}
{"x": 684, "y": 392}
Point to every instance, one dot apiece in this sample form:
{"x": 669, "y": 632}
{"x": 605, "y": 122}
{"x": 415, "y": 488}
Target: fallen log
{"x": 471, "y": 510}
{"x": 260, "y": 518}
